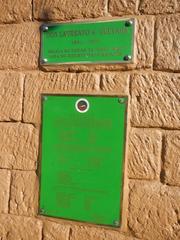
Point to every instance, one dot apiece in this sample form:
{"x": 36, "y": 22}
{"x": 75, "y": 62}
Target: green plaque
{"x": 88, "y": 42}
{"x": 82, "y": 155}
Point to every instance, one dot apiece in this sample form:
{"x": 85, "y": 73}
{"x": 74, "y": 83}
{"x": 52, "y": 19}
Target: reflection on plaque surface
{"x": 88, "y": 42}
{"x": 82, "y": 157}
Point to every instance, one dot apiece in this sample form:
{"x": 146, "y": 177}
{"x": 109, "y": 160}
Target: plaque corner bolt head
{"x": 45, "y": 98}
{"x": 44, "y": 28}
{"x": 44, "y": 60}
{"x": 121, "y": 100}
{"x": 116, "y": 223}
{"x": 41, "y": 211}
{"x": 127, "y": 58}
{"x": 129, "y": 23}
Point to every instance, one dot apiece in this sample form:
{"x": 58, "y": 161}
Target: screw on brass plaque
{"x": 129, "y": 23}
{"x": 127, "y": 58}
{"x": 44, "y": 28}
{"x": 116, "y": 223}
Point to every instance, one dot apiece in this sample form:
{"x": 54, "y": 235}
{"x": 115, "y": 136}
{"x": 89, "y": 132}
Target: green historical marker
{"x": 83, "y": 140}
{"x": 88, "y": 42}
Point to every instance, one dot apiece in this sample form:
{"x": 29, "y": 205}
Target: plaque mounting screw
{"x": 127, "y": 57}
{"x": 116, "y": 223}
{"x": 44, "y": 98}
{"x": 44, "y": 60}
{"x": 44, "y": 28}
{"x": 128, "y": 23}
{"x": 121, "y": 100}
{"x": 41, "y": 211}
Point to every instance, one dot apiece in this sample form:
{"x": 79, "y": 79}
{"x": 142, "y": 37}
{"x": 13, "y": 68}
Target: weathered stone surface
{"x": 157, "y": 6}
{"x": 18, "y": 146}
{"x": 123, "y": 7}
{"x": 19, "y": 46}
{"x": 24, "y": 193}
{"x": 15, "y": 11}
{"x": 64, "y": 10}
{"x": 5, "y": 178}
{"x": 144, "y": 155}
{"x": 68, "y": 83}
{"x": 11, "y": 96}
{"x": 154, "y": 211}
{"x": 144, "y": 41}
{"x": 54, "y": 231}
{"x": 155, "y": 100}
{"x": 89, "y": 233}
{"x": 15, "y": 227}
{"x": 167, "y": 45}
{"x": 172, "y": 158}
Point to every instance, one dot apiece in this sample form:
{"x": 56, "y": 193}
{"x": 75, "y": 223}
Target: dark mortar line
{"x": 9, "y": 192}
{"x": 23, "y": 97}
{"x": 32, "y": 10}
{"x": 162, "y": 170}
{"x": 156, "y": 128}
{"x": 70, "y": 233}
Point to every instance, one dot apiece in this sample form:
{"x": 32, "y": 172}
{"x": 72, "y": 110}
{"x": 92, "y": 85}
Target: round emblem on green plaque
{"x": 82, "y": 105}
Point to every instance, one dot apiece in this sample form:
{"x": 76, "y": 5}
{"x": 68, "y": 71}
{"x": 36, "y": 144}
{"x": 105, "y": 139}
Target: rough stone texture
{"x": 144, "y": 155}
{"x": 18, "y": 146}
{"x": 154, "y": 211}
{"x": 54, "y": 231}
{"x": 16, "y": 228}
{"x": 157, "y": 6}
{"x": 68, "y": 9}
{"x": 15, "y": 11}
{"x": 5, "y": 178}
{"x": 155, "y": 100}
{"x": 68, "y": 83}
{"x": 123, "y": 7}
{"x": 11, "y": 84}
{"x": 89, "y": 233}
{"x": 172, "y": 158}
{"x": 144, "y": 42}
{"x": 167, "y": 46}
{"x": 24, "y": 193}
{"x": 19, "y": 46}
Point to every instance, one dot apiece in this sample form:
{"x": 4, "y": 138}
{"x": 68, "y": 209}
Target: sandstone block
{"x": 89, "y": 233}
{"x": 167, "y": 45}
{"x": 172, "y": 158}
{"x": 68, "y": 83}
{"x": 121, "y": 7}
{"x": 155, "y": 100}
{"x": 5, "y": 178}
{"x": 15, "y": 227}
{"x": 19, "y": 46}
{"x": 54, "y": 231}
{"x": 144, "y": 50}
{"x": 144, "y": 156}
{"x": 15, "y": 11}
{"x": 64, "y": 10}
{"x": 24, "y": 193}
{"x": 11, "y": 96}
{"x": 157, "y": 6}
{"x": 18, "y": 146}
{"x": 154, "y": 211}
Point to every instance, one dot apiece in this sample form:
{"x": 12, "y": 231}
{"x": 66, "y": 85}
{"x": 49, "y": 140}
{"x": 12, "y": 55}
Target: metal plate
{"x": 88, "y": 42}
{"x": 82, "y": 158}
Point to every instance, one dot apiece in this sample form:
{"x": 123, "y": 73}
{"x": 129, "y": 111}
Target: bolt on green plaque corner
{"x": 109, "y": 41}
{"x": 82, "y": 158}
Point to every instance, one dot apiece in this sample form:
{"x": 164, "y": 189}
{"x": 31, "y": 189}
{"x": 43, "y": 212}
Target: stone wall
{"x": 151, "y": 204}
